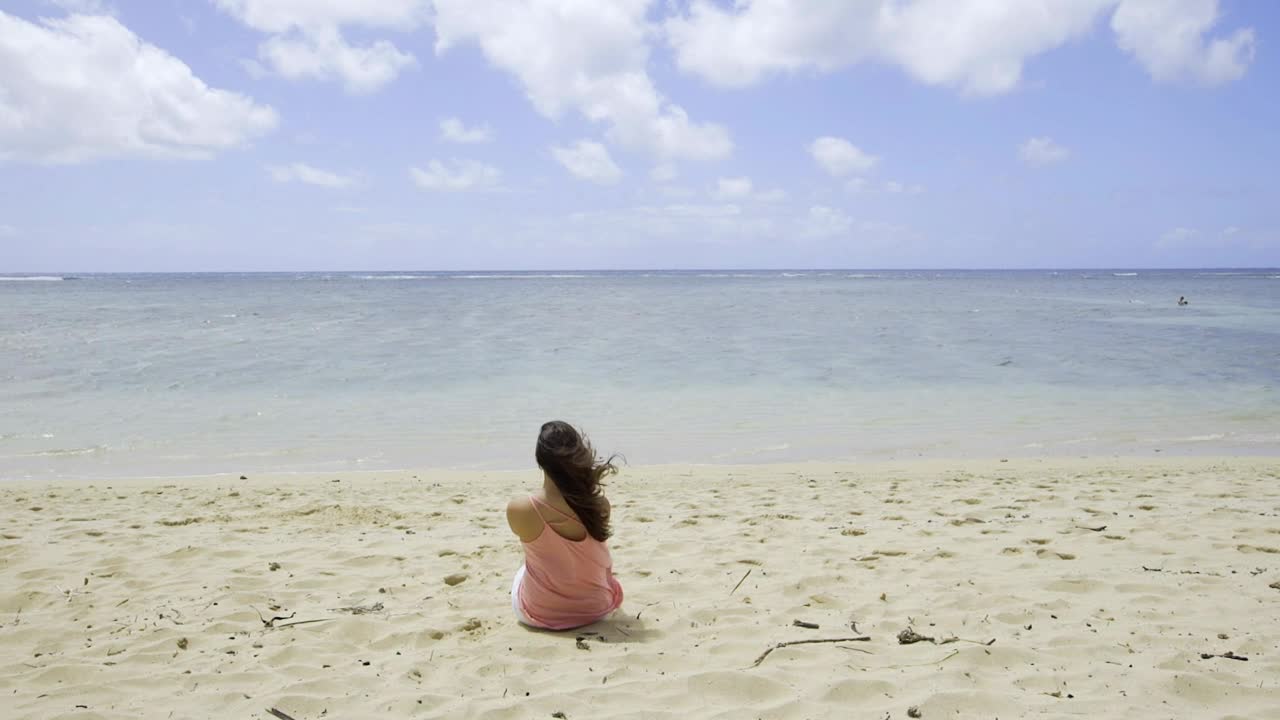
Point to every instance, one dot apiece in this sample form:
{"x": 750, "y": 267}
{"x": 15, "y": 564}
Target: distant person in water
{"x": 1182, "y": 300}
{"x": 567, "y": 579}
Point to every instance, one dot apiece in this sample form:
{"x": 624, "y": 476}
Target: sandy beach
{"x": 1050, "y": 588}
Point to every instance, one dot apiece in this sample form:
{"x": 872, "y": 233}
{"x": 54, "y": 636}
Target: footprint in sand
{"x": 1045, "y": 552}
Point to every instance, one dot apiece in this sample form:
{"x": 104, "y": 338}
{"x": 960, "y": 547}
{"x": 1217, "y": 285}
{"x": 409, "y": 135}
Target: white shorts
{"x": 515, "y": 598}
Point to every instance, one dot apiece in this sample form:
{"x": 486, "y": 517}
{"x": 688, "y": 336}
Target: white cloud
{"x": 464, "y": 175}
{"x": 977, "y": 46}
{"x": 1041, "y": 151}
{"x": 453, "y": 130}
{"x": 307, "y": 40}
{"x": 1167, "y": 37}
{"x": 278, "y": 16}
{"x": 839, "y": 157}
{"x": 772, "y": 196}
{"x": 86, "y": 87}
{"x": 825, "y": 222}
{"x": 738, "y": 187}
{"x": 8, "y": 231}
{"x": 324, "y": 54}
{"x": 588, "y": 57}
{"x": 588, "y": 160}
{"x": 303, "y": 173}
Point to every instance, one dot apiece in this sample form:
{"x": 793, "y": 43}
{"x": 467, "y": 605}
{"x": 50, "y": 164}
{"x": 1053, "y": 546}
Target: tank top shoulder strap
{"x": 536, "y": 503}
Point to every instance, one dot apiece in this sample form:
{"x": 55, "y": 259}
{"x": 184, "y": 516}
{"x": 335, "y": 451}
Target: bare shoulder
{"x": 522, "y": 504}
{"x": 523, "y": 518}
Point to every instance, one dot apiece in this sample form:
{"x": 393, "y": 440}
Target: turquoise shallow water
{"x": 106, "y": 375}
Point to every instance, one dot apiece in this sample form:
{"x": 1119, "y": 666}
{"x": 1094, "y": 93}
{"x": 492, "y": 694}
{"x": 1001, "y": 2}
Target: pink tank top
{"x": 567, "y": 583}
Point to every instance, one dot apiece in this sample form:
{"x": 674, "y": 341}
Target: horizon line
{"x": 640, "y": 270}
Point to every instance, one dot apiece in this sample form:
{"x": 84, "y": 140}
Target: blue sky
{"x": 553, "y": 134}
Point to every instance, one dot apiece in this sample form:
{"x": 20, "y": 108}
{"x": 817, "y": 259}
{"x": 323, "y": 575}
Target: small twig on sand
{"x": 744, "y": 578}
{"x": 280, "y": 714}
{"x": 1182, "y": 572}
{"x": 1100, "y": 528}
{"x": 646, "y": 607}
{"x": 805, "y": 625}
{"x": 953, "y": 639}
{"x": 765, "y": 654}
{"x": 303, "y": 622}
{"x": 950, "y": 655}
{"x": 1228, "y": 655}
{"x": 272, "y": 622}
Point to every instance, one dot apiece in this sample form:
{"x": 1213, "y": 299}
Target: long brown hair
{"x": 566, "y": 456}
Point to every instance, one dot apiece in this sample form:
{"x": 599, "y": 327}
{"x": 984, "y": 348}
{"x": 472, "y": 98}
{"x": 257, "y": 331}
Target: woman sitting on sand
{"x": 566, "y": 580}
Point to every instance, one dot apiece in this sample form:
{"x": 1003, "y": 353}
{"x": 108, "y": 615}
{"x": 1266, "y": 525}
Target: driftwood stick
{"x": 744, "y": 579}
{"x": 805, "y": 625}
{"x": 765, "y": 654}
{"x": 1100, "y": 528}
{"x": 280, "y": 714}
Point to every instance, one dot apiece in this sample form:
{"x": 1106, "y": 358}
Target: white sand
{"x": 132, "y": 599}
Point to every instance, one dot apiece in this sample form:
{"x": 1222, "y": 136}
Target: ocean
{"x": 179, "y": 374}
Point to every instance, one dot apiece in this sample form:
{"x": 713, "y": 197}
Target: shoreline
{"x": 1100, "y": 580}
{"x": 1210, "y": 456}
